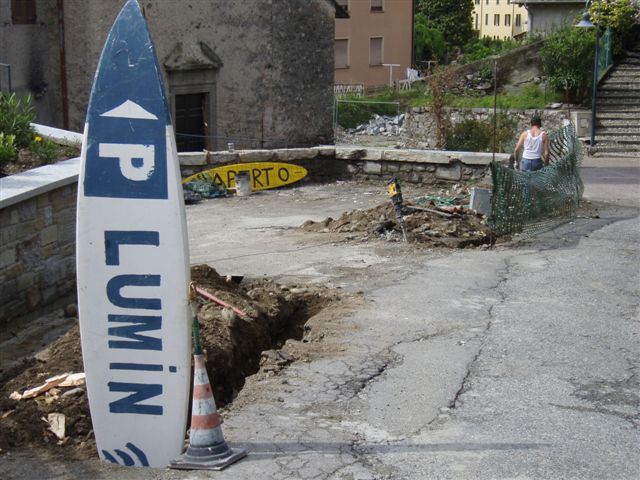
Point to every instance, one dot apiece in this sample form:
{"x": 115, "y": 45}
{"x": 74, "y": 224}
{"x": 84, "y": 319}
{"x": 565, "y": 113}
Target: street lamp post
{"x": 586, "y": 23}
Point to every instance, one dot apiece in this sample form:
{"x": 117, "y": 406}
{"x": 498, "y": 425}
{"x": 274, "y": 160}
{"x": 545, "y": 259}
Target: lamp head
{"x": 586, "y": 21}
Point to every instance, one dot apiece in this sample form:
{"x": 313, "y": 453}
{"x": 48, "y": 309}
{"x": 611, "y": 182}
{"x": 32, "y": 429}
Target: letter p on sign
{"x": 136, "y": 162}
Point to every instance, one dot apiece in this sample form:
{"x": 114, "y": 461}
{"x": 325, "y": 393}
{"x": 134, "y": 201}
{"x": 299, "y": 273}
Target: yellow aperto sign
{"x": 264, "y": 175}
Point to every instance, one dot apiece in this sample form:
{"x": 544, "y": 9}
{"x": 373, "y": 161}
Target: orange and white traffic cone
{"x": 207, "y": 449}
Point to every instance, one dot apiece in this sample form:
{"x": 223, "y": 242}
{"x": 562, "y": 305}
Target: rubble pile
{"x": 478, "y": 82}
{"x": 37, "y": 407}
{"x": 380, "y": 125}
{"x": 448, "y": 226}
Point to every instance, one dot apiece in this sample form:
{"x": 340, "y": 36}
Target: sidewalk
{"x": 612, "y": 179}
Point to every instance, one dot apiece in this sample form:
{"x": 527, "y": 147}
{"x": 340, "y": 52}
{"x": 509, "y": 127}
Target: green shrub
{"x": 8, "y": 151}
{"x": 473, "y": 135}
{"x": 470, "y": 135}
{"x": 486, "y": 73}
{"x": 16, "y": 115}
{"x": 45, "y": 150}
{"x": 567, "y": 59}
{"x": 480, "y": 48}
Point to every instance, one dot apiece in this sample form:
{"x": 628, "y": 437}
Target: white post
{"x": 390, "y": 65}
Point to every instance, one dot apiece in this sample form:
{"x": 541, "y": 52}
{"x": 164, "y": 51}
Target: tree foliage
{"x": 16, "y": 115}
{"x": 620, "y": 17}
{"x": 479, "y": 48}
{"x": 429, "y": 43}
{"x": 451, "y": 17}
{"x": 567, "y": 59}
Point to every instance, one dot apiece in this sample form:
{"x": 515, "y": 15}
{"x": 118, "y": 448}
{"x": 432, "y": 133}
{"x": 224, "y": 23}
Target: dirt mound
{"x": 233, "y": 344}
{"x": 452, "y": 226}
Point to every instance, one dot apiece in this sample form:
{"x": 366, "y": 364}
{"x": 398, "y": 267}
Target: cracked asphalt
{"x": 517, "y": 362}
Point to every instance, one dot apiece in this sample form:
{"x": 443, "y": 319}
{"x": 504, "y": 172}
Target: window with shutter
{"x": 377, "y": 5}
{"x": 342, "y": 53}
{"x": 375, "y": 51}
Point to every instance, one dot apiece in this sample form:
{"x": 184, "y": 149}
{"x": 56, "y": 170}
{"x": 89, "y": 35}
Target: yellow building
{"x": 499, "y": 19}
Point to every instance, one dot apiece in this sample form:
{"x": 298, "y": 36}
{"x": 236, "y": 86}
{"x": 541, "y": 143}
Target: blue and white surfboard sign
{"x": 132, "y": 257}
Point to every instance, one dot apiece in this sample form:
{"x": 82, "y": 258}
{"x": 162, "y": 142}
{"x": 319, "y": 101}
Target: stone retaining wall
{"x": 347, "y": 162}
{"x": 37, "y": 229}
{"x": 419, "y": 127}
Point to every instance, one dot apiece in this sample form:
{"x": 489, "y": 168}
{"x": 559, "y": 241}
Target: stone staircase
{"x": 618, "y": 109}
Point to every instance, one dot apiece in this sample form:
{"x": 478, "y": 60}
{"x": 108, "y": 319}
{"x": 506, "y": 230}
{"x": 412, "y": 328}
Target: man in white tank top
{"x": 535, "y": 145}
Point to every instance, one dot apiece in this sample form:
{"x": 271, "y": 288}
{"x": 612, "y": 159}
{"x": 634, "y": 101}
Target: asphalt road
{"x": 518, "y": 362}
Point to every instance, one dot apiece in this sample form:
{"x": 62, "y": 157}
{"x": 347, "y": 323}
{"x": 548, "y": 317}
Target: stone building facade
{"x": 255, "y": 74}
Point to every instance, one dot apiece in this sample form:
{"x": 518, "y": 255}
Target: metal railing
{"x": 605, "y": 54}
{"x": 342, "y": 89}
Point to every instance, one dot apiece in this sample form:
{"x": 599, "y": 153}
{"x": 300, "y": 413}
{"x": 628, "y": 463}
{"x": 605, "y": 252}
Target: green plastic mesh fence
{"x": 531, "y": 202}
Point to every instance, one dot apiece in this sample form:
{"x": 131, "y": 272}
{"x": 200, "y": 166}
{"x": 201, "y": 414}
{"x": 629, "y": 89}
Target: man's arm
{"x": 520, "y": 144}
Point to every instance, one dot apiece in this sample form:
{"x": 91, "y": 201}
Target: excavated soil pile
{"x": 451, "y": 227}
{"x": 233, "y": 345}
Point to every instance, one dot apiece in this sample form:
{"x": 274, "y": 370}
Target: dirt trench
{"x": 235, "y": 348}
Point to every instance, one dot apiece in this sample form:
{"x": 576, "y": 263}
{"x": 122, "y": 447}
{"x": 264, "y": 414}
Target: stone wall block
{"x": 8, "y": 235}
{"x": 27, "y": 210}
{"x": 219, "y": 158}
{"x": 32, "y": 298}
{"x": 350, "y": 153}
{"x": 372, "y": 167}
{"x": 375, "y": 154}
{"x": 327, "y": 151}
{"x": 26, "y": 230}
{"x": 414, "y": 177}
{"x": 47, "y": 215}
{"x": 61, "y": 202}
{"x": 50, "y": 295}
{"x": 68, "y": 250}
{"x": 428, "y": 178}
{"x": 67, "y": 217}
{"x": 49, "y": 250}
{"x": 292, "y": 154}
{"x": 8, "y": 290}
{"x": 66, "y": 235}
{"x": 68, "y": 268}
{"x": 43, "y": 200}
{"x": 69, "y": 190}
{"x": 449, "y": 173}
{"x": 8, "y": 257}
{"x": 192, "y": 158}
{"x": 29, "y": 253}
{"x": 51, "y": 272}
{"x": 49, "y": 235}
{"x": 13, "y": 307}
{"x": 25, "y": 281}
{"x": 258, "y": 155}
